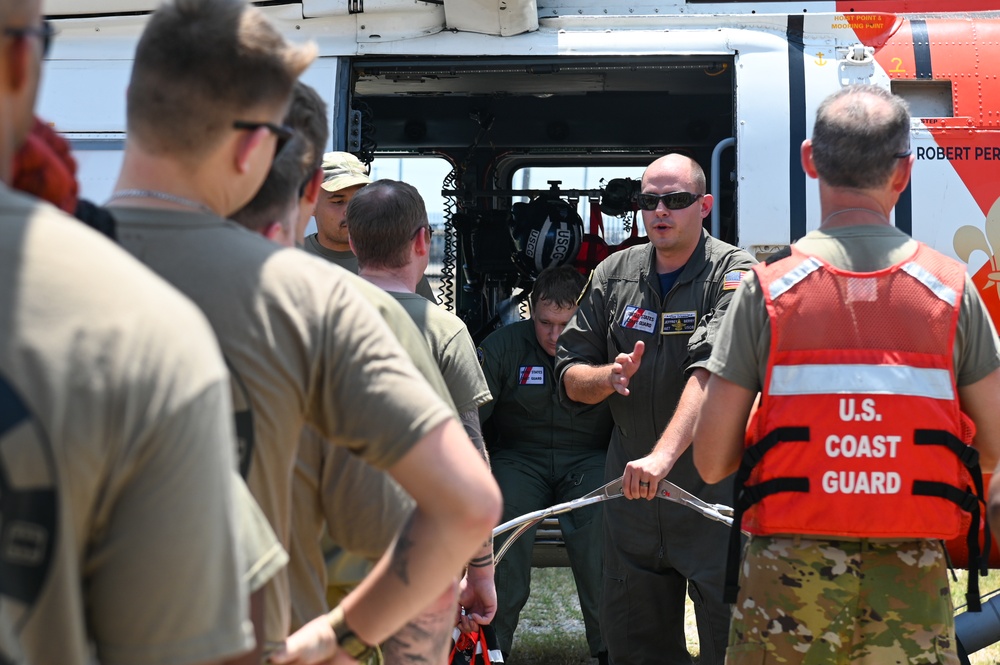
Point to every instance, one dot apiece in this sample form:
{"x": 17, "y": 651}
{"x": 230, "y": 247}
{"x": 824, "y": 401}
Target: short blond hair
{"x": 202, "y": 64}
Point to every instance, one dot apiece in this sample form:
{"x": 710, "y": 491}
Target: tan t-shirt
{"x": 453, "y": 349}
{"x": 336, "y": 493}
{"x": 305, "y": 345}
{"x": 358, "y": 507}
{"x": 741, "y": 351}
{"x": 264, "y": 555}
{"x": 116, "y": 435}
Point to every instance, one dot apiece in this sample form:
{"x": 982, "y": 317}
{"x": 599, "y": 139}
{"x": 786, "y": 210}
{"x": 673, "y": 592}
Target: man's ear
{"x": 311, "y": 192}
{"x": 707, "y": 201}
{"x": 807, "y": 159}
{"x": 421, "y": 243}
{"x": 901, "y": 175}
{"x": 247, "y": 144}
{"x": 271, "y": 230}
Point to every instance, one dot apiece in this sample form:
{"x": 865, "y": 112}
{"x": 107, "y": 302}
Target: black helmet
{"x": 547, "y": 233}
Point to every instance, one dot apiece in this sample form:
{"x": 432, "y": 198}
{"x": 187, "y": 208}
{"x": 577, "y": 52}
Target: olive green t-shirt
{"x": 119, "y": 526}
{"x": 357, "y": 507}
{"x": 453, "y": 349}
{"x": 306, "y": 346}
{"x": 741, "y": 352}
{"x": 345, "y": 259}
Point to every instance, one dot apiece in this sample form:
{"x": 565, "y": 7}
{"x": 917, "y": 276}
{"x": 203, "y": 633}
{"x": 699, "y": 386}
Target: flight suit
{"x": 652, "y": 548}
{"x": 544, "y": 453}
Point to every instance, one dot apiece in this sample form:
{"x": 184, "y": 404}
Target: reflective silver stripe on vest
{"x": 937, "y": 287}
{"x": 793, "y": 277}
{"x": 862, "y": 380}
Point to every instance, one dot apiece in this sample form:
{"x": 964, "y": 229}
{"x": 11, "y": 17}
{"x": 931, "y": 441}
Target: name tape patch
{"x": 531, "y": 375}
{"x": 637, "y": 318}
{"x": 678, "y": 323}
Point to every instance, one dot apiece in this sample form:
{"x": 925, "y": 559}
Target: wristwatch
{"x": 352, "y": 645}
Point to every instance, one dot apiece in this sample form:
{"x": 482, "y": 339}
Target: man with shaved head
{"x": 640, "y": 340}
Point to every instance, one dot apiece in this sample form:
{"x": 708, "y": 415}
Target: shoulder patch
{"x": 732, "y": 279}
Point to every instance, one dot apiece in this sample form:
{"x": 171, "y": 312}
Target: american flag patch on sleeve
{"x": 732, "y": 279}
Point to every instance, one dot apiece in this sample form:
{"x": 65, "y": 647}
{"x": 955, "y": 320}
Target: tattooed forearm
{"x": 482, "y": 561}
{"x": 423, "y": 640}
{"x": 401, "y": 552}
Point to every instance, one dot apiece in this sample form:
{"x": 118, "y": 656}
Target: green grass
{"x": 550, "y": 631}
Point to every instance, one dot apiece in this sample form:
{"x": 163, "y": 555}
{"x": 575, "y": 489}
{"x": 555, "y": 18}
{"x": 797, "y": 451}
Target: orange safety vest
{"x": 859, "y": 432}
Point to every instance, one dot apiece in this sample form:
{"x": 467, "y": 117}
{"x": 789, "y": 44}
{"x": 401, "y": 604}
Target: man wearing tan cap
{"x": 343, "y": 175}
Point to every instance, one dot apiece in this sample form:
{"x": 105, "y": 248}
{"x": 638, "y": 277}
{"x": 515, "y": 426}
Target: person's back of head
{"x": 860, "y": 133}
{"x": 382, "y": 218}
{"x": 277, "y": 199}
{"x": 560, "y": 286}
{"x": 276, "y": 202}
{"x": 200, "y": 66}
{"x": 307, "y": 116}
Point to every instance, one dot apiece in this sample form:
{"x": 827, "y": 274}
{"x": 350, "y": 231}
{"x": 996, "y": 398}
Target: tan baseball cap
{"x": 342, "y": 169}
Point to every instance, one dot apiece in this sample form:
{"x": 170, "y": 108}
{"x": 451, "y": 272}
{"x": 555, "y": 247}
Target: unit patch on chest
{"x": 637, "y": 318}
{"x": 678, "y": 323}
{"x": 531, "y": 375}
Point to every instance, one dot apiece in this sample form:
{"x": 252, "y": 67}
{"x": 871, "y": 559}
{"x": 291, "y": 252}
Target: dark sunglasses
{"x": 282, "y": 132}
{"x": 45, "y": 32}
{"x": 672, "y": 201}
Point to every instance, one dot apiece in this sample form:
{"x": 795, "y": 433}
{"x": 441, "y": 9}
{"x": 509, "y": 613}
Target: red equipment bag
{"x": 479, "y": 648}
{"x": 593, "y": 249}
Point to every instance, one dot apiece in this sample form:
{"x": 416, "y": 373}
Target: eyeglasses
{"x": 282, "y": 132}
{"x": 903, "y": 155}
{"x": 430, "y": 231}
{"x": 45, "y": 32}
{"x": 672, "y": 201}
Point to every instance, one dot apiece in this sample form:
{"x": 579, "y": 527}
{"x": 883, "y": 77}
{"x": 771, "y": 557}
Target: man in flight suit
{"x": 544, "y": 453}
{"x": 640, "y": 340}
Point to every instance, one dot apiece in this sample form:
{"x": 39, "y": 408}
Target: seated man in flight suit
{"x": 543, "y": 452}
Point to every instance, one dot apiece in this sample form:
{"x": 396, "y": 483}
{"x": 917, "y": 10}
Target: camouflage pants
{"x": 842, "y": 602}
